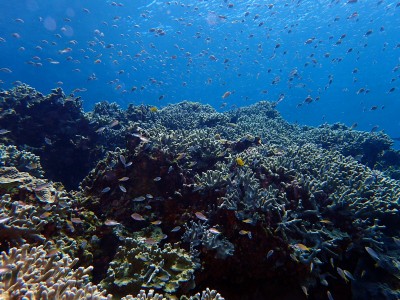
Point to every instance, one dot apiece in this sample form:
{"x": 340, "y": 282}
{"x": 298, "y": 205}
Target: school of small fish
{"x": 295, "y": 52}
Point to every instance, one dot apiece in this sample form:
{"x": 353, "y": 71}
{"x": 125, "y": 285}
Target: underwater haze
{"x": 318, "y": 60}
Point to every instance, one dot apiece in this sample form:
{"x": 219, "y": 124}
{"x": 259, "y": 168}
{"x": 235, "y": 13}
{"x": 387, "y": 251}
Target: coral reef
{"x": 52, "y": 127}
{"x": 181, "y": 198}
{"x": 140, "y": 263}
{"x": 23, "y": 160}
{"x": 40, "y": 273}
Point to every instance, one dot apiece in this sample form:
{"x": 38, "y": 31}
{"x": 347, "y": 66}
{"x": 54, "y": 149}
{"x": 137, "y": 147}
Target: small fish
{"x": 110, "y": 222}
{"x": 32, "y": 166}
{"x": 180, "y": 156}
{"x": 349, "y": 275}
{"x": 101, "y": 129}
{"x": 45, "y": 215}
{"x": 325, "y": 221}
{"x": 70, "y": 226}
{"x": 5, "y": 70}
{"x": 245, "y": 232}
{"x": 4, "y": 220}
{"x": 353, "y": 126}
{"x": 239, "y": 162}
{"x": 176, "y": 228}
{"x": 4, "y": 131}
{"x": 48, "y": 141}
{"x": 106, "y": 190}
{"x": 113, "y": 124}
{"x": 214, "y": 230}
{"x": 150, "y": 241}
{"x": 141, "y": 137}
{"x": 149, "y": 196}
{"x": 329, "y": 295}
{"x": 157, "y": 179}
{"x": 122, "y": 188}
{"x": 122, "y": 159}
{"x": 52, "y": 252}
{"x": 200, "y": 216}
{"x": 324, "y": 282}
{"x": 373, "y": 254}
{"x": 137, "y": 217}
{"x": 139, "y": 199}
{"x": 248, "y": 221}
{"x": 42, "y": 186}
{"x": 270, "y": 253}
{"x": 305, "y": 291}
{"x": 302, "y": 247}
{"x": 226, "y": 94}
{"x": 76, "y": 220}
{"x": 375, "y": 128}
{"x": 123, "y": 179}
{"x": 157, "y": 222}
{"x": 342, "y": 274}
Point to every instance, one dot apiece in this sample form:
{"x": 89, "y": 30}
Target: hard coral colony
{"x": 169, "y": 202}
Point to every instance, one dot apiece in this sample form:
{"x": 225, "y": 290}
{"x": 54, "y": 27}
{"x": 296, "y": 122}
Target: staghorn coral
{"x": 141, "y": 263}
{"x": 198, "y": 234}
{"x": 32, "y": 210}
{"x": 207, "y": 294}
{"x": 39, "y": 273}
{"x": 143, "y": 296}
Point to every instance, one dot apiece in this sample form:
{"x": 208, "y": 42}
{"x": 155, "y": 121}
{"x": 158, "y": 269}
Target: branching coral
{"x": 141, "y": 263}
{"x": 39, "y": 273}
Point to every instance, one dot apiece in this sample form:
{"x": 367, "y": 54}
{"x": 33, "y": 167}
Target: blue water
{"x": 199, "y": 50}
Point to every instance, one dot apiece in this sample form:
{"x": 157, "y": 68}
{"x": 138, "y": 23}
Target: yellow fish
{"x": 239, "y": 162}
{"x": 302, "y": 247}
